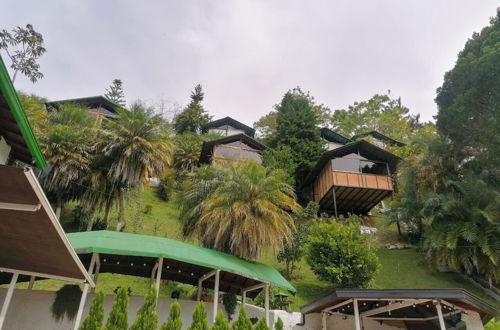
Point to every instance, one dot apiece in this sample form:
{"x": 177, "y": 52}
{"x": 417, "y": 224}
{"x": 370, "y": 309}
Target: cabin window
{"x": 358, "y": 164}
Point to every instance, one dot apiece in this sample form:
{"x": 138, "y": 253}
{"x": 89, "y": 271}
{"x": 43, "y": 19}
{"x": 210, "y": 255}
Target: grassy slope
{"x": 400, "y": 268}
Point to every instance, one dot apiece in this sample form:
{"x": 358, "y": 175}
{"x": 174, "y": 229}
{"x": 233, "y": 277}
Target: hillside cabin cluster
{"x": 352, "y": 175}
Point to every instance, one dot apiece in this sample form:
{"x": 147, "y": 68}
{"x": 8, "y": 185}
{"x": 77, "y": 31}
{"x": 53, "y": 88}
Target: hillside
{"x": 400, "y": 268}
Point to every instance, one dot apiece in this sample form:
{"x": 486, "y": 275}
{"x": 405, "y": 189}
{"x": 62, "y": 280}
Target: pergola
{"x": 162, "y": 258}
{"x": 411, "y": 308}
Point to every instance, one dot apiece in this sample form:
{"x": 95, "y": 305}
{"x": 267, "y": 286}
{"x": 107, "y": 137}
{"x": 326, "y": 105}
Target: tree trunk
{"x": 59, "y": 205}
{"x": 399, "y": 229}
{"x": 89, "y": 224}
{"x": 14, "y": 77}
{"x": 120, "y": 225}
{"x": 107, "y": 209}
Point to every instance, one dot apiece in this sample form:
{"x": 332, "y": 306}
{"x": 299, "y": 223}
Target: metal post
{"x": 335, "y": 202}
{"x": 356, "y": 314}
{"x": 323, "y": 321}
{"x": 216, "y": 294}
{"x": 440, "y": 316}
{"x": 32, "y": 282}
{"x": 200, "y": 288}
{"x": 84, "y": 293}
{"x": 158, "y": 276}
{"x": 8, "y": 297}
{"x": 266, "y": 303}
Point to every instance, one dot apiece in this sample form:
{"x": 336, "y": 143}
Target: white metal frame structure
{"x": 11, "y": 176}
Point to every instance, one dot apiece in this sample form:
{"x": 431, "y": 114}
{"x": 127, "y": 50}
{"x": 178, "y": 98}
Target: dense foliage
{"x": 221, "y": 323}
{"x": 238, "y": 208}
{"x": 469, "y": 99}
{"x": 338, "y": 253}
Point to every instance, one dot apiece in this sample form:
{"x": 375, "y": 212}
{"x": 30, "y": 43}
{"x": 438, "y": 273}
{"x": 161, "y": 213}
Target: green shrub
{"x": 261, "y": 325}
{"x": 93, "y": 321}
{"x": 221, "y": 323}
{"x": 174, "y": 321}
{"x": 230, "y": 302}
{"x": 118, "y": 317}
{"x": 338, "y": 253}
{"x": 147, "y": 318}
{"x": 243, "y": 322}
{"x": 200, "y": 321}
{"x": 279, "y": 324}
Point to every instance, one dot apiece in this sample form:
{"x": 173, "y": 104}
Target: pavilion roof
{"x": 132, "y": 254}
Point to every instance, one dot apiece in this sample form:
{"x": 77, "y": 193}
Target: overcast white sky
{"x": 247, "y": 54}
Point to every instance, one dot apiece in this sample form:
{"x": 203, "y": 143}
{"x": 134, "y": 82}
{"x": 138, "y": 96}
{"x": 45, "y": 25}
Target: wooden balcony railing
{"x": 328, "y": 178}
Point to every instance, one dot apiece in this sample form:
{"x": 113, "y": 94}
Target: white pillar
{"x": 32, "y": 282}
{"x": 7, "y": 299}
{"x": 200, "y": 288}
{"x": 356, "y": 314}
{"x": 243, "y": 298}
{"x": 323, "y": 320}
{"x": 472, "y": 320}
{"x": 79, "y": 314}
{"x": 266, "y": 302}
{"x": 440, "y": 316}
{"x": 158, "y": 276}
{"x": 216, "y": 293}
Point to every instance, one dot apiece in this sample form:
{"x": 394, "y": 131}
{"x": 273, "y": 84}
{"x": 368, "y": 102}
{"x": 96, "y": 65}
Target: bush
{"x": 166, "y": 186}
{"x": 229, "y": 301}
{"x": 147, "y": 318}
{"x": 261, "y": 325}
{"x": 279, "y": 325}
{"x": 200, "y": 321}
{"x": 243, "y": 322}
{"x": 274, "y": 300}
{"x": 338, "y": 253}
{"x": 93, "y": 321}
{"x": 118, "y": 317}
{"x": 221, "y": 323}
{"x": 174, "y": 321}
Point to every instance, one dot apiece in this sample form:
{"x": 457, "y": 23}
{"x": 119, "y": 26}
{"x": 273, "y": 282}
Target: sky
{"x": 247, "y": 54}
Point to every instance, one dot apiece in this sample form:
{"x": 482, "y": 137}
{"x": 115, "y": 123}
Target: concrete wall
{"x": 31, "y": 309}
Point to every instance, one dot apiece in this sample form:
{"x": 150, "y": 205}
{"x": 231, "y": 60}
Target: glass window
{"x": 358, "y": 164}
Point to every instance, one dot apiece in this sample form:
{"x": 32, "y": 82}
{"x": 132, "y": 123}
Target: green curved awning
{"x": 126, "y": 244}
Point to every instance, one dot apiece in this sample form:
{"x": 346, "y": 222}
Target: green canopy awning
{"x": 181, "y": 258}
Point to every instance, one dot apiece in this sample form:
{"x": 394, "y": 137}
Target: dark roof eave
{"x": 229, "y": 121}
{"x": 459, "y": 294}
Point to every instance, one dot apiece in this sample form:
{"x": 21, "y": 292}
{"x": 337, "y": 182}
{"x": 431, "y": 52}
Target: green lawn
{"x": 400, "y": 268}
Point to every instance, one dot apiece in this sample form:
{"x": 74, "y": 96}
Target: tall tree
{"x": 135, "y": 147}
{"x": 24, "y": 46}
{"x": 297, "y": 127}
{"x": 67, "y": 146}
{"x": 239, "y": 208}
{"x": 200, "y": 321}
{"x": 469, "y": 99}
{"x": 115, "y": 92}
{"x": 194, "y": 115}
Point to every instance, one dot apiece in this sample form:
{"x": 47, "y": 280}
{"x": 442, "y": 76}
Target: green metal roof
{"x": 8, "y": 92}
{"x": 118, "y": 243}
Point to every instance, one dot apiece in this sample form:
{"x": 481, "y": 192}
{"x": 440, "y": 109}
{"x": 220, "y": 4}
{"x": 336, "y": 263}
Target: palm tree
{"x": 462, "y": 227}
{"x": 67, "y": 148}
{"x": 240, "y": 208}
{"x": 135, "y": 147}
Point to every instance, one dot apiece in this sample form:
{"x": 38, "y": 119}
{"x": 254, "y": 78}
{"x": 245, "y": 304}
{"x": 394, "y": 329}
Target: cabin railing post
{"x": 335, "y": 202}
